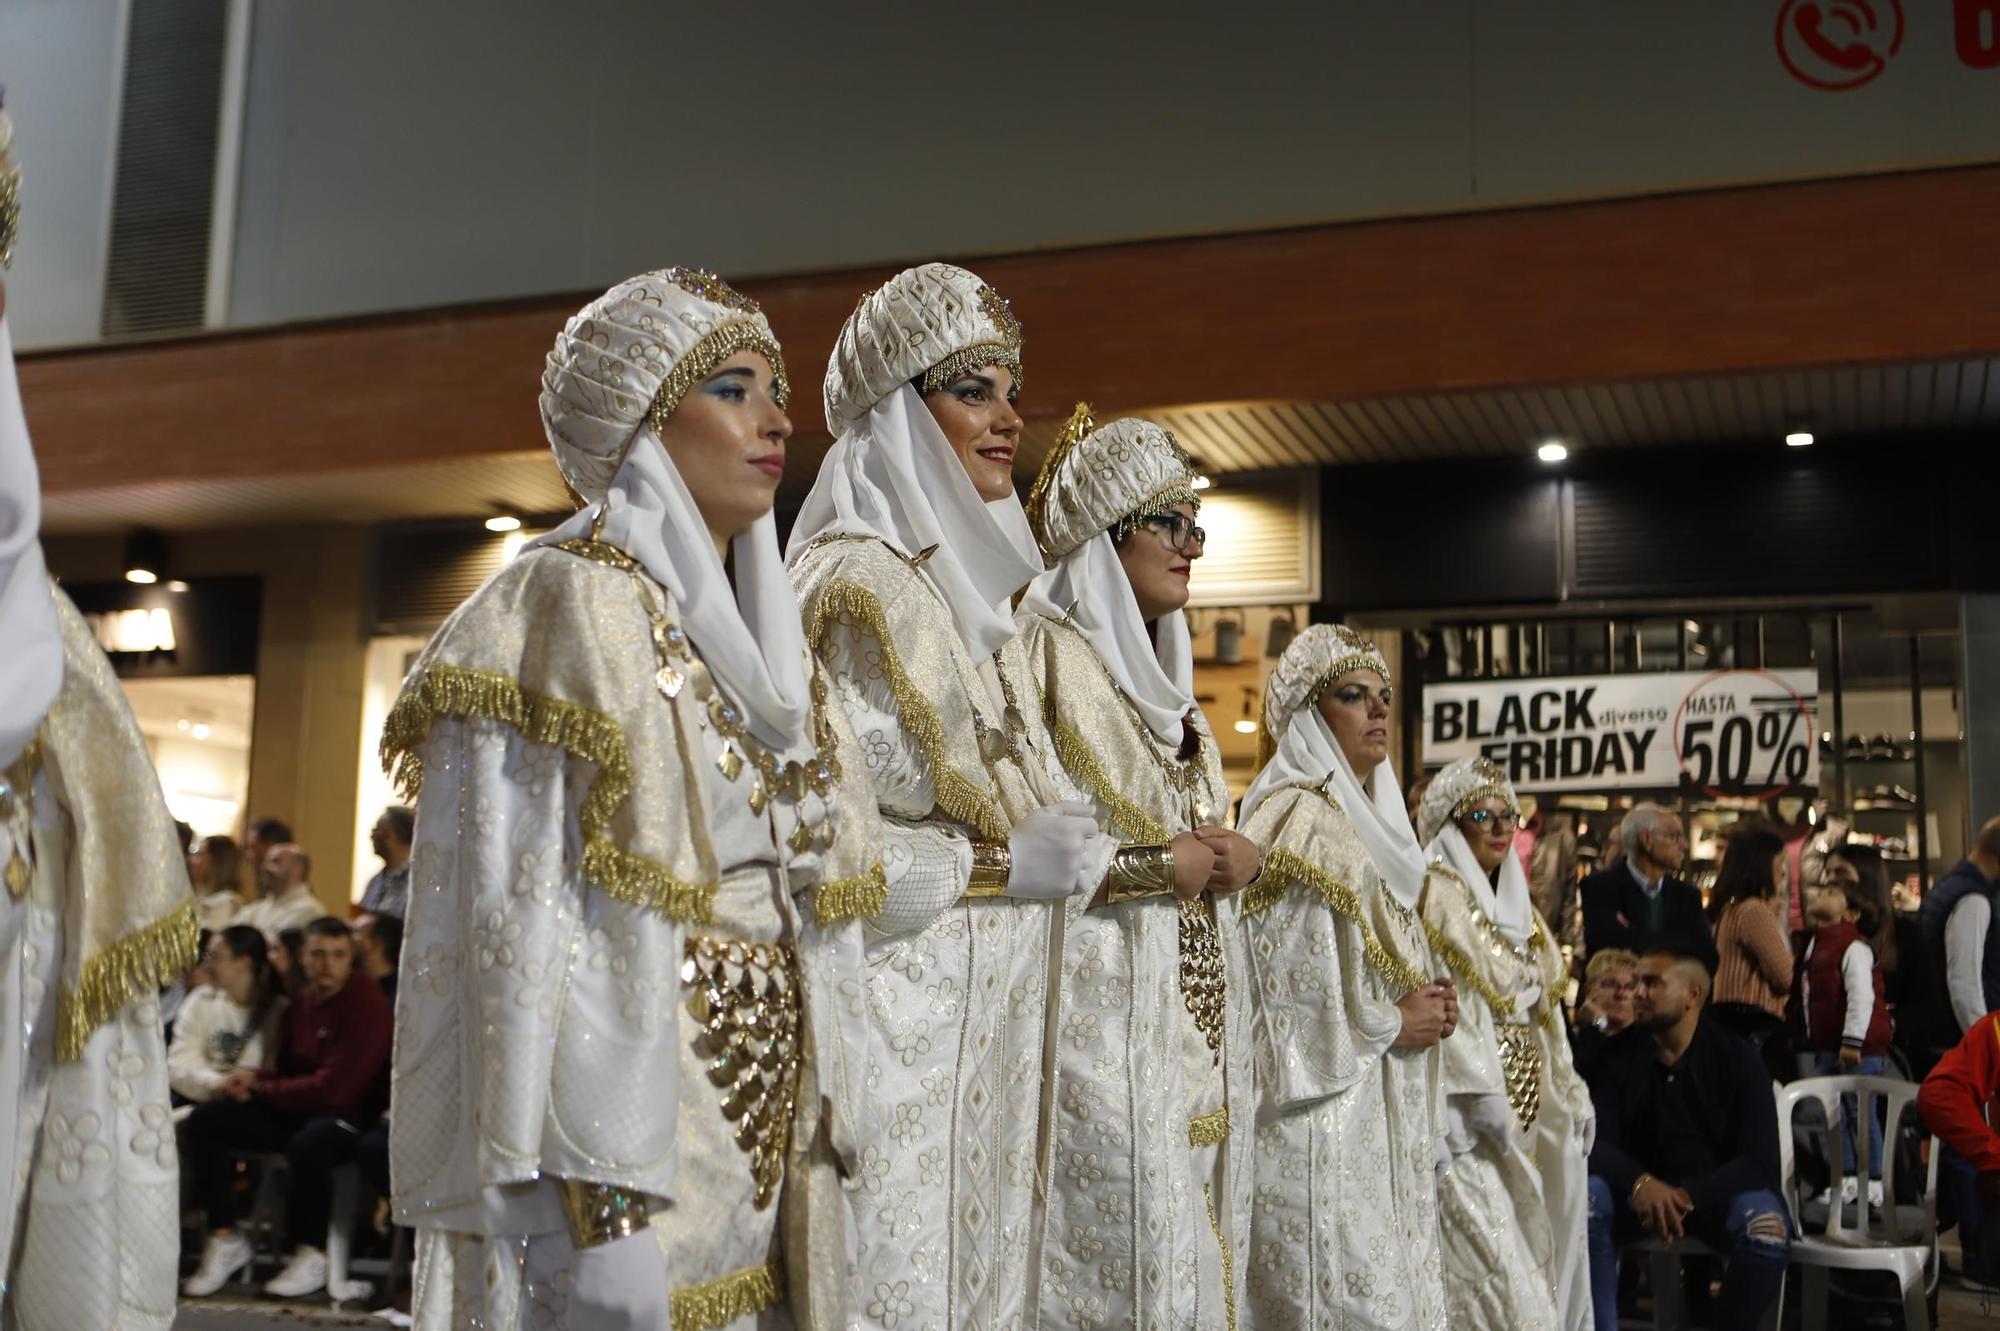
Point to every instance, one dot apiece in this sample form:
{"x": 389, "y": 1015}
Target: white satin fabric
{"x": 30, "y": 646}
{"x": 893, "y": 474}
{"x": 1308, "y": 754}
{"x": 748, "y": 634}
{"x": 1507, "y": 904}
{"x": 1156, "y": 673}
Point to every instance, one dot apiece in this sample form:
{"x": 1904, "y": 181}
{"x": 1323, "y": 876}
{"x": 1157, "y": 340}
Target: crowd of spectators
{"x": 1688, "y": 1012}
{"x": 279, "y": 1045}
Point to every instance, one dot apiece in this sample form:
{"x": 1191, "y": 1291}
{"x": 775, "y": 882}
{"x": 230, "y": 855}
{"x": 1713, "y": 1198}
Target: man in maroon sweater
{"x": 327, "y": 1084}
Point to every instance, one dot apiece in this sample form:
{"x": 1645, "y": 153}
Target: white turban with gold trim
{"x": 632, "y": 355}
{"x": 1105, "y": 478}
{"x": 1320, "y": 654}
{"x": 935, "y": 320}
{"x": 1457, "y": 789}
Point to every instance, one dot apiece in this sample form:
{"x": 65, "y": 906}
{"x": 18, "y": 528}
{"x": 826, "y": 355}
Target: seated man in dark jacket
{"x": 1639, "y": 905}
{"x": 328, "y": 1084}
{"x": 1687, "y": 1143}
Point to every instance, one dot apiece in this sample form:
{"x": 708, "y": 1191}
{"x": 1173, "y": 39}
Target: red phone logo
{"x": 1835, "y": 45}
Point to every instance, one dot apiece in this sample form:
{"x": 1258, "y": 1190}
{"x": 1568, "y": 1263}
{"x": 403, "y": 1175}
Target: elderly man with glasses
{"x": 1640, "y": 905}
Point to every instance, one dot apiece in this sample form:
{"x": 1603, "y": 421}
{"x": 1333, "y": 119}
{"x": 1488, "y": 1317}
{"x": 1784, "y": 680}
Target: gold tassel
{"x": 720, "y": 1302}
{"x": 859, "y": 897}
{"x": 142, "y": 962}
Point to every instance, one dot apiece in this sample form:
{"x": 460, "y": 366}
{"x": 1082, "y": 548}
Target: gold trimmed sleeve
{"x": 958, "y": 796}
{"x": 141, "y": 963}
{"x": 444, "y": 691}
{"x": 1283, "y": 867}
{"x": 1128, "y": 820}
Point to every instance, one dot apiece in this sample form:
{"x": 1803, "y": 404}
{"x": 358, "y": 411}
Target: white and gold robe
{"x": 946, "y": 1204}
{"x": 1344, "y": 1232}
{"x": 596, "y": 910}
{"x": 1150, "y": 1120}
{"x": 95, "y": 919}
{"x": 1498, "y": 1263}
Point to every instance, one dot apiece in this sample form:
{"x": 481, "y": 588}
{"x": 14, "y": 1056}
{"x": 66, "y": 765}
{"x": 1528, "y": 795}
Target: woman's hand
{"x": 1236, "y": 859}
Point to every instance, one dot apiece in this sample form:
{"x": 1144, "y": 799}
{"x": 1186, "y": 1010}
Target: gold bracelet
{"x": 599, "y": 1213}
{"x": 1138, "y": 872}
{"x": 991, "y": 865}
{"x": 1637, "y": 1184}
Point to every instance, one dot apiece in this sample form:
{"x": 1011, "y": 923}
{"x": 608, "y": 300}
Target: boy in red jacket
{"x": 1956, "y": 1101}
{"x": 328, "y": 1084}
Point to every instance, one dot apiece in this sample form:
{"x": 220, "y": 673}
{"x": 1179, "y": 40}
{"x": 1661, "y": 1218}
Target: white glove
{"x": 1440, "y": 1156}
{"x": 1586, "y": 1132}
{"x": 1526, "y": 997}
{"x": 1492, "y": 1117}
{"x": 620, "y": 1285}
{"x": 1053, "y": 854}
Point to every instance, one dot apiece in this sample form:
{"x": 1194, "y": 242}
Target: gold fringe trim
{"x": 1209, "y": 1129}
{"x": 722, "y": 1301}
{"x": 142, "y": 962}
{"x": 457, "y": 691}
{"x": 1284, "y": 867}
{"x": 856, "y": 898}
{"x": 1228, "y": 1258}
{"x": 1458, "y": 963}
{"x": 958, "y": 795}
{"x": 1130, "y": 821}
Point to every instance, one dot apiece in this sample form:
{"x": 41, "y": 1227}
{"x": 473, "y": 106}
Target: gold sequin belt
{"x": 1521, "y": 1065}
{"x": 1203, "y": 988}
{"x": 745, "y": 998}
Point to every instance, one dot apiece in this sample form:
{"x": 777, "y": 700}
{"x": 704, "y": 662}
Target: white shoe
{"x": 304, "y": 1274}
{"x": 1875, "y": 1193}
{"x": 222, "y": 1257}
{"x": 1850, "y": 1189}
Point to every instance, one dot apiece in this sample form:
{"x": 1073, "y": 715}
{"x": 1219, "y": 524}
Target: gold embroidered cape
{"x": 129, "y": 918}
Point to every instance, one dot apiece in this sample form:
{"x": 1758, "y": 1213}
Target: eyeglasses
{"x": 1481, "y": 817}
{"x": 1178, "y": 531}
{"x": 1617, "y": 986}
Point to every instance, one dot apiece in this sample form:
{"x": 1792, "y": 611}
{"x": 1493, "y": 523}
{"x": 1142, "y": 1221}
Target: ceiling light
{"x": 1246, "y": 727}
{"x": 1799, "y": 439}
{"x": 145, "y": 557}
{"x": 199, "y": 730}
{"x": 1200, "y": 483}
{"x": 182, "y": 724}
{"x": 176, "y": 585}
{"x": 1553, "y": 451}
{"x": 503, "y": 522}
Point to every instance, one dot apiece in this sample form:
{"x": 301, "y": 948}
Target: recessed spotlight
{"x": 1553, "y": 451}
{"x": 503, "y": 522}
{"x": 1799, "y": 439}
{"x": 1246, "y": 727}
{"x": 145, "y": 577}
{"x": 176, "y": 585}
{"x": 1200, "y": 483}
{"x": 199, "y": 730}
{"x": 183, "y": 724}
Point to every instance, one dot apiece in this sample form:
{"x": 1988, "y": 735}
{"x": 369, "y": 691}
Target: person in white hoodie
{"x": 229, "y": 1023}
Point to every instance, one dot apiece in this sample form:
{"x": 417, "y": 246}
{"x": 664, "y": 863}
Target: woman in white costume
{"x": 1347, "y": 1013}
{"x": 1148, "y": 1216}
{"x": 642, "y": 846}
{"x": 96, "y": 918}
{"x": 905, "y": 556}
{"x": 1517, "y": 1116}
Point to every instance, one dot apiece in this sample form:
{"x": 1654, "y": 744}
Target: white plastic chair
{"x": 1901, "y": 1240}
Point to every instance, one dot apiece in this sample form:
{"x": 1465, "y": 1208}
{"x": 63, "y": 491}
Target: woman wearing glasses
{"x": 1517, "y": 1118}
{"x": 1349, "y": 1008}
{"x": 1149, "y": 1068}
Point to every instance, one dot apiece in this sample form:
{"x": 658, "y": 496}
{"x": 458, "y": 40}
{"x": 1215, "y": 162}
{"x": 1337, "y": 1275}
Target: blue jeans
{"x": 1754, "y": 1252}
{"x": 1828, "y": 1065}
